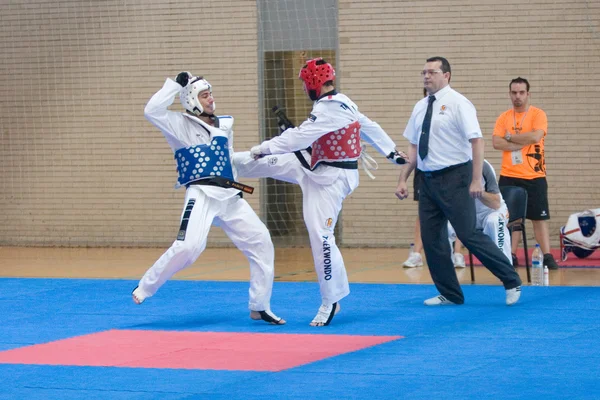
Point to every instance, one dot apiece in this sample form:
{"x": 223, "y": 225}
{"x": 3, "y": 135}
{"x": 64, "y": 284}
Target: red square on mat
{"x": 191, "y": 350}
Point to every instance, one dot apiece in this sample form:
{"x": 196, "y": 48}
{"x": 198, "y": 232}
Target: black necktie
{"x": 424, "y": 140}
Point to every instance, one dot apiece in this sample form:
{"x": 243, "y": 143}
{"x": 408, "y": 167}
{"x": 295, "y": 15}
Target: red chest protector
{"x": 340, "y": 145}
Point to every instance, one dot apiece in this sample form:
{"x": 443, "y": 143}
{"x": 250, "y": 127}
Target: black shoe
{"x": 550, "y": 262}
{"x": 516, "y": 260}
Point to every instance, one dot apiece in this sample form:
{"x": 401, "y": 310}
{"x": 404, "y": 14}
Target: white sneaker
{"x": 438, "y": 301}
{"x": 414, "y": 260}
{"x": 138, "y": 296}
{"x": 325, "y": 314}
{"x": 512, "y": 295}
{"x": 459, "y": 260}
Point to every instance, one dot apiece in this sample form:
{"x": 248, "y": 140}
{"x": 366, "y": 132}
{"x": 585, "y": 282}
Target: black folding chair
{"x": 515, "y": 198}
{"x": 516, "y": 201}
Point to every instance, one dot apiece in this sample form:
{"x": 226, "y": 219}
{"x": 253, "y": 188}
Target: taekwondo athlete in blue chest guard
{"x": 202, "y": 147}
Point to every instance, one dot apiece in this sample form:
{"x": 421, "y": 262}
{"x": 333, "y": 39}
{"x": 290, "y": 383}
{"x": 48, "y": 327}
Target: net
{"x": 79, "y": 163}
{"x": 290, "y": 33}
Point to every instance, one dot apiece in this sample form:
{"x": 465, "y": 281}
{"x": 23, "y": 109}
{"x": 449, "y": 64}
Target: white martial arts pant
{"x": 494, "y": 225}
{"x": 241, "y": 224}
{"x": 321, "y": 203}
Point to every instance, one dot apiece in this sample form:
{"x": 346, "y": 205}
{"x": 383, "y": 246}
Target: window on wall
{"x": 283, "y": 89}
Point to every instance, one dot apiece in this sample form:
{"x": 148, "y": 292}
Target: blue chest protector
{"x": 204, "y": 161}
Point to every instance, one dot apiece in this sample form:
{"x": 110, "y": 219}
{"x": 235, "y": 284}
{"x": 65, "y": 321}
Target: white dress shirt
{"x": 453, "y": 124}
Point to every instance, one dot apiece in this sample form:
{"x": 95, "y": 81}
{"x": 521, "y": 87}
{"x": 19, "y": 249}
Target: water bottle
{"x": 537, "y": 266}
{"x": 546, "y": 276}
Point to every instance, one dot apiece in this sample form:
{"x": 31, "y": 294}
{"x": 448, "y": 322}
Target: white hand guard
{"x": 255, "y": 152}
{"x": 258, "y": 151}
{"x": 398, "y": 157}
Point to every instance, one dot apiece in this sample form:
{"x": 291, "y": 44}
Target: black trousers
{"x": 445, "y": 197}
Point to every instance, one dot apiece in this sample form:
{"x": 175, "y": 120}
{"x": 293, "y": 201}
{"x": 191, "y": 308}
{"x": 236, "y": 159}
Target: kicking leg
{"x": 284, "y": 167}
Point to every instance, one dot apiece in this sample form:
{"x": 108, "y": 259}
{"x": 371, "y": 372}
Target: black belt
{"x": 336, "y": 164}
{"x": 341, "y": 164}
{"x": 224, "y": 183}
{"x": 430, "y": 174}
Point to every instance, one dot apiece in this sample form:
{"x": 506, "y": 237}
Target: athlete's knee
{"x": 490, "y": 225}
{"x": 264, "y": 238}
{"x": 188, "y": 248}
{"x": 258, "y": 244}
{"x": 320, "y": 237}
{"x": 325, "y": 246}
{"x": 259, "y": 234}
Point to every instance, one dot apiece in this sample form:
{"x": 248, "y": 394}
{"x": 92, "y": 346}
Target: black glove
{"x": 282, "y": 120}
{"x": 398, "y": 157}
{"x": 183, "y": 78}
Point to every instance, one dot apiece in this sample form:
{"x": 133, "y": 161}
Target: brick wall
{"x": 555, "y": 45}
{"x": 80, "y": 166}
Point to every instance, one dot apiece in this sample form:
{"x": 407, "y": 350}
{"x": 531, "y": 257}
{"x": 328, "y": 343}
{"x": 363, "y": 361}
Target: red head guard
{"x": 314, "y": 74}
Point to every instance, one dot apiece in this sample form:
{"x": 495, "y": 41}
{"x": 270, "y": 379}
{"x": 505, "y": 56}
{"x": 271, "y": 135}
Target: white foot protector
{"x": 267, "y": 316}
{"x": 138, "y": 296}
{"x": 325, "y": 314}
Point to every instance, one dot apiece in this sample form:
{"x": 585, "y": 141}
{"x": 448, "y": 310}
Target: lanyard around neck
{"x": 522, "y": 120}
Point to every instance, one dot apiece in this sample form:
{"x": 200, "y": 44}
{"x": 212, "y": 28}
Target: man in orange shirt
{"x": 520, "y": 134}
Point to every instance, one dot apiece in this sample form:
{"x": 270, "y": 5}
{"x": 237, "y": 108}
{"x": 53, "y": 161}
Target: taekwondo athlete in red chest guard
{"x": 321, "y": 155}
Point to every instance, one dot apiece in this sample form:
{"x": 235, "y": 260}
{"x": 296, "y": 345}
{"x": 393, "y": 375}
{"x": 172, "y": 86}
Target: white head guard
{"x": 189, "y": 94}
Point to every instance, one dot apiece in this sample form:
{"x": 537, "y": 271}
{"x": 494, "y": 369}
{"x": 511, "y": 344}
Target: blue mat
{"x": 544, "y": 347}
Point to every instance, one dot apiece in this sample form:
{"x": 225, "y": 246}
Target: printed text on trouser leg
{"x": 326, "y": 259}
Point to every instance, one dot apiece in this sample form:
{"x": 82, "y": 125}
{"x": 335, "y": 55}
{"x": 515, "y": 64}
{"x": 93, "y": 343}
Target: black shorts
{"x": 417, "y": 184}
{"x": 537, "y": 195}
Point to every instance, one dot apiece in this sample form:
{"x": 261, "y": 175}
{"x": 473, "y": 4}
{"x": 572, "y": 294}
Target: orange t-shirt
{"x": 534, "y": 162}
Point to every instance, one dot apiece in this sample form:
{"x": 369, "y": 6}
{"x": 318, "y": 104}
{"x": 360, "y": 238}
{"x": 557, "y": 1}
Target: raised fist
{"x": 259, "y": 151}
{"x": 255, "y": 152}
{"x": 183, "y": 78}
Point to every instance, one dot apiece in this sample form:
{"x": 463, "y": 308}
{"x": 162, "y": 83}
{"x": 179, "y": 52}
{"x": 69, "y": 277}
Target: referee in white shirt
{"x": 446, "y": 145}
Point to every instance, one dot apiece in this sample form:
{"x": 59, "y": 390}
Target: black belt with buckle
{"x": 224, "y": 183}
